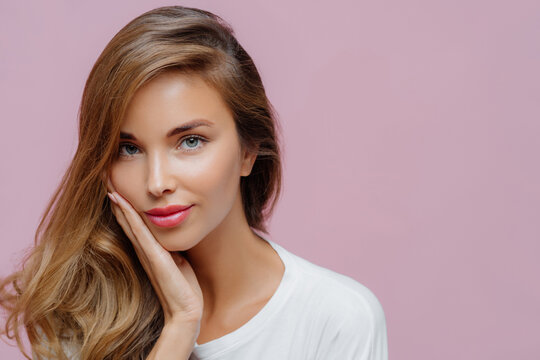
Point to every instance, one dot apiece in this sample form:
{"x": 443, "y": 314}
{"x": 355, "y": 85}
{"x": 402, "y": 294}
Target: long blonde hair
{"x": 82, "y": 283}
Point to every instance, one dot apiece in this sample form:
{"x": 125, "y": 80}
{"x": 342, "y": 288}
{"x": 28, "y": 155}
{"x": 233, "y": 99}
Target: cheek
{"x": 211, "y": 179}
{"x": 128, "y": 180}
{"x": 215, "y": 176}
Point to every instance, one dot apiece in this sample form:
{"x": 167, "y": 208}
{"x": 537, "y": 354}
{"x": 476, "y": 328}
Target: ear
{"x": 248, "y": 159}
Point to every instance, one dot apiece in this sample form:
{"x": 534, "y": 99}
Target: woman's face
{"x": 179, "y": 146}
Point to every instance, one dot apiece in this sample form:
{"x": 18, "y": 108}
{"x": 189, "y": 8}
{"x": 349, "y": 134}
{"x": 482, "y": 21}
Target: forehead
{"x": 172, "y": 99}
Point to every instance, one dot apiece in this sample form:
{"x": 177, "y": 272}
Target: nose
{"x": 160, "y": 178}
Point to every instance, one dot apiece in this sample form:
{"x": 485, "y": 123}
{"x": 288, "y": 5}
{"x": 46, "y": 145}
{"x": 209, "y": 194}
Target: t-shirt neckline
{"x": 248, "y": 330}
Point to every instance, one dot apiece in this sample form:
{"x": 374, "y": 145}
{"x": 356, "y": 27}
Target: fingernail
{"x": 113, "y": 199}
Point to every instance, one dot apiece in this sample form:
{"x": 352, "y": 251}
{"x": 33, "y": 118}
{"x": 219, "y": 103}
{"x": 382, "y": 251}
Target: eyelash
{"x": 198, "y": 137}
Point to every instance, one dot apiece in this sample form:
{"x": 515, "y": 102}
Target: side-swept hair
{"x": 82, "y": 284}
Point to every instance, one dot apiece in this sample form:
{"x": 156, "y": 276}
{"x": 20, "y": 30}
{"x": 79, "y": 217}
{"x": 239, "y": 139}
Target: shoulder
{"x": 350, "y": 317}
{"x": 344, "y": 296}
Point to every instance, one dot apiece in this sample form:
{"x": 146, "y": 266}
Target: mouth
{"x": 168, "y": 216}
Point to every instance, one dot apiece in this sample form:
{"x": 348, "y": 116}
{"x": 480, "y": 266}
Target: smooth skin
{"x": 211, "y": 273}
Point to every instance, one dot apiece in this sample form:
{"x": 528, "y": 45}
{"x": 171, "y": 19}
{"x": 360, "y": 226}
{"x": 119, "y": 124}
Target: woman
{"x": 153, "y": 246}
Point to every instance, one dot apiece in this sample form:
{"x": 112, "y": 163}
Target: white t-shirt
{"x": 315, "y": 314}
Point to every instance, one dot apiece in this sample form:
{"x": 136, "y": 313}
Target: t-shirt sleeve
{"x": 358, "y": 333}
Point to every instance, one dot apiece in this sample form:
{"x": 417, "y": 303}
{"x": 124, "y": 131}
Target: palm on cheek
{"x": 172, "y": 277}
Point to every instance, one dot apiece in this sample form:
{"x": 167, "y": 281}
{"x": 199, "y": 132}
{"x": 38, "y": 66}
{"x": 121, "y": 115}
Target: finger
{"x": 146, "y": 263}
{"x": 139, "y": 228}
{"x": 156, "y": 254}
{"x": 172, "y": 278}
{"x": 159, "y": 262}
{"x": 160, "y": 259}
{"x": 143, "y": 258}
{"x": 121, "y": 219}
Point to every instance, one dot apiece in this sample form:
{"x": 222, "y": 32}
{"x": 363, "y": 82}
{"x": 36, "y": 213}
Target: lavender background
{"x": 412, "y": 135}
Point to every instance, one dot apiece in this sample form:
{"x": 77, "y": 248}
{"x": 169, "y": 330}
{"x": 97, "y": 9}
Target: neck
{"x": 229, "y": 262}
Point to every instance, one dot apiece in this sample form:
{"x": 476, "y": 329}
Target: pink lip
{"x": 168, "y": 216}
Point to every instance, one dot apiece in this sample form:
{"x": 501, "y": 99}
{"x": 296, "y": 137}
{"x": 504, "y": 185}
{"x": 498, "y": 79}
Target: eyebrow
{"x": 177, "y": 130}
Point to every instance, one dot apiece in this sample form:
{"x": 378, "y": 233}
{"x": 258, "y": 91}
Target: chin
{"x": 175, "y": 244}
{"x": 177, "y": 241}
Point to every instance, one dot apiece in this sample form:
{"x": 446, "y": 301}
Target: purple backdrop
{"x": 411, "y": 148}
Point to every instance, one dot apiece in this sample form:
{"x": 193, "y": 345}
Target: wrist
{"x": 182, "y": 321}
{"x": 176, "y": 340}
{"x": 186, "y": 329}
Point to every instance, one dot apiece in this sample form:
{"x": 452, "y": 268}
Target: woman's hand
{"x": 171, "y": 275}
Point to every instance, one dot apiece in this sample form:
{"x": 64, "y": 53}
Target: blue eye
{"x": 193, "y": 142}
{"x": 187, "y": 144}
{"x": 129, "y": 149}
